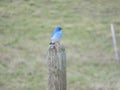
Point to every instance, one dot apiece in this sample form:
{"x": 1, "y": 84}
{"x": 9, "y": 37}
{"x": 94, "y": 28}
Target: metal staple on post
{"x": 56, "y": 68}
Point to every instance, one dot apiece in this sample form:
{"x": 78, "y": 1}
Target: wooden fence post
{"x": 115, "y": 43}
{"x": 56, "y": 68}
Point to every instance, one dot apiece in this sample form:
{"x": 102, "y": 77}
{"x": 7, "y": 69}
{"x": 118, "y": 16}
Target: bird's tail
{"x": 51, "y": 43}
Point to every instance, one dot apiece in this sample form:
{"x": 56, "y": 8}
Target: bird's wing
{"x": 57, "y": 36}
{"x": 53, "y": 33}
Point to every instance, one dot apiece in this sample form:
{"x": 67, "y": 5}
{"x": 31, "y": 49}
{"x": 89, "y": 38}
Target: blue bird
{"x": 56, "y": 35}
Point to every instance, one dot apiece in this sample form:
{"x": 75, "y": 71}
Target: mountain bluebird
{"x": 56, "y": 35}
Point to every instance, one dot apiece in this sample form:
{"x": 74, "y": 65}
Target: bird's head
{"x": 58, "y": 28}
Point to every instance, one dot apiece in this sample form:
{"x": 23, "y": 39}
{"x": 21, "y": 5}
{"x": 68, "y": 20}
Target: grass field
{"x": 25, "y": 31}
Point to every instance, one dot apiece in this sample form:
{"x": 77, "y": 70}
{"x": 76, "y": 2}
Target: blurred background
{"x": 25, "y": 32}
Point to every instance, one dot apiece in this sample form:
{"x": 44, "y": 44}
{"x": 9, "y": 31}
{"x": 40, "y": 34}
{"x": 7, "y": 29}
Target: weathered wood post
{"x": 115, "y": 43}
{"x": 56, "y": 68}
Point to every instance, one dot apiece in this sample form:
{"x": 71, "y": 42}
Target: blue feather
{"x": 56, "y": 34}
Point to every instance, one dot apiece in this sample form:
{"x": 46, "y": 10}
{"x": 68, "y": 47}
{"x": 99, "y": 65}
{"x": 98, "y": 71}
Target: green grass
{"x": 25, "y": 30}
